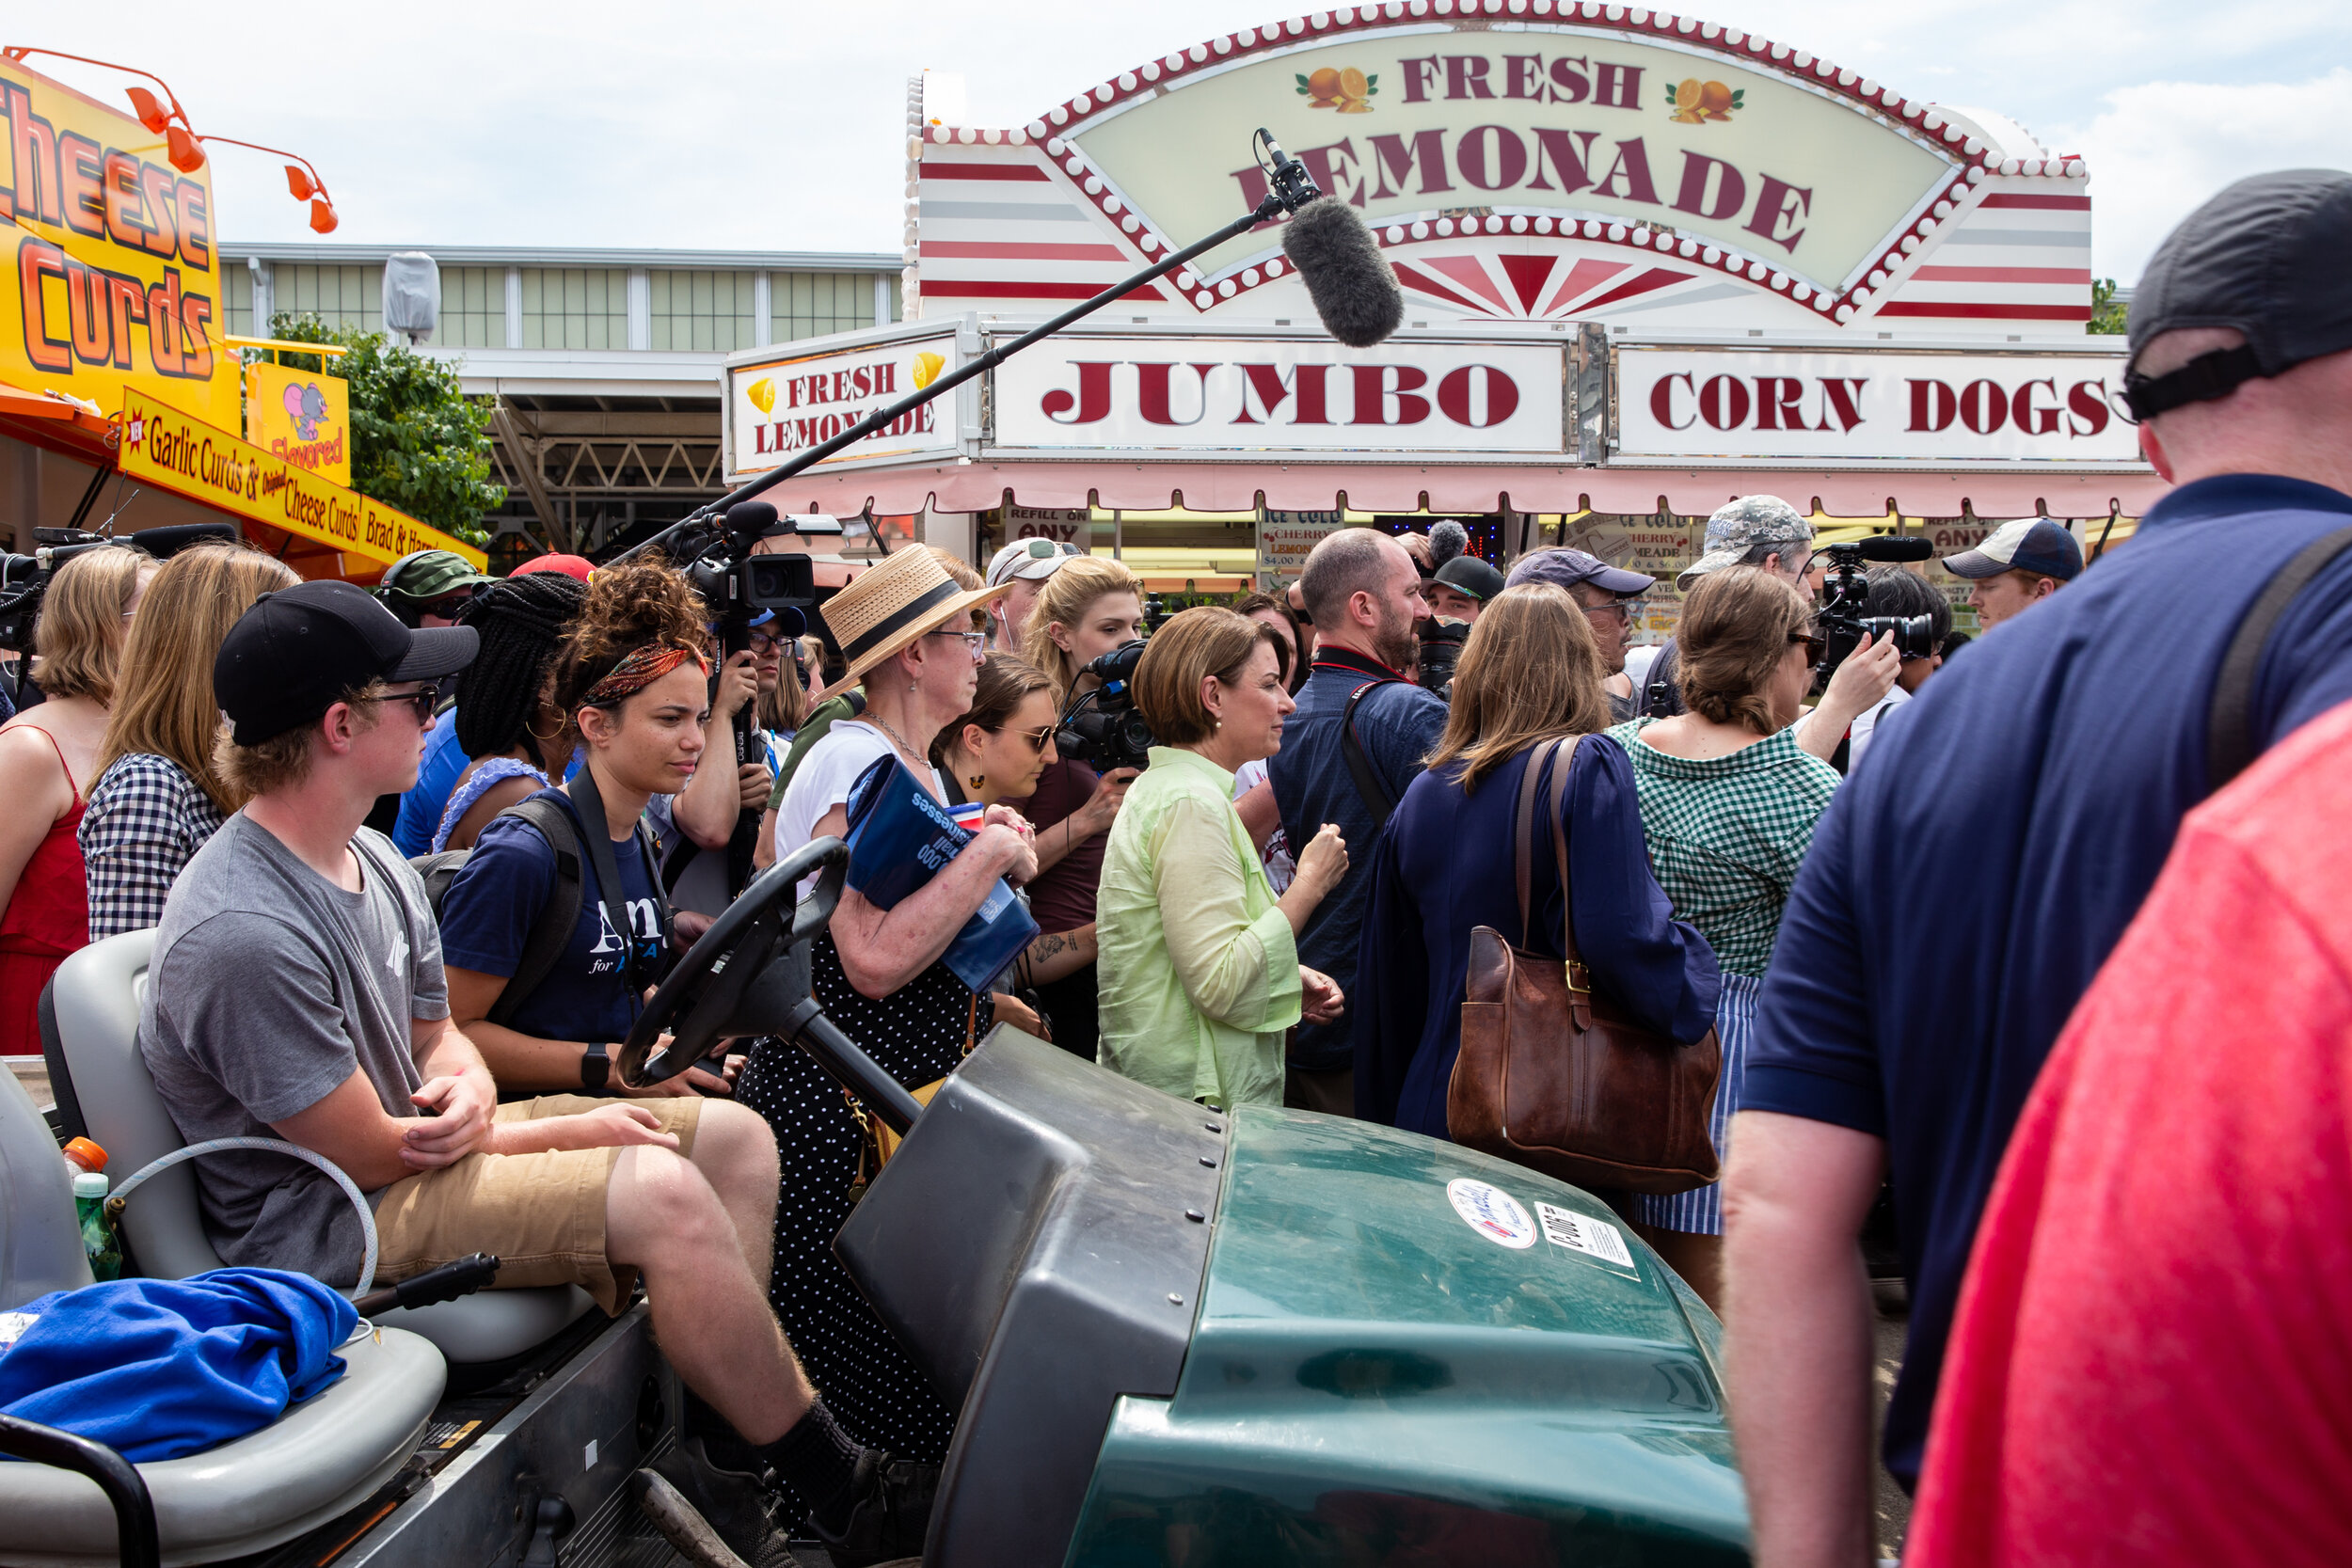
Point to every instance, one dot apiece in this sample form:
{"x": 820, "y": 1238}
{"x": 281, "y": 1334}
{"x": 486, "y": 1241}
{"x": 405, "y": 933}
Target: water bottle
{"x": 98, "y": 1232}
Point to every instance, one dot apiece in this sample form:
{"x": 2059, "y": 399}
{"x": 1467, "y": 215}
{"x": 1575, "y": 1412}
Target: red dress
{"x": 46, "y": 920}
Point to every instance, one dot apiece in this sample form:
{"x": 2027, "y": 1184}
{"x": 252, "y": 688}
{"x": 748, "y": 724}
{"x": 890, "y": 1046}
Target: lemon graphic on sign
{"x": 927, "y": 369}
{"x": 763, "y": 394}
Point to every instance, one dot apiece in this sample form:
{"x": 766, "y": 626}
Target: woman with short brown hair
{"x": 1728, "y": 805}
{"x": 1200, "y": 977}
{"x": 1447, "y": 862}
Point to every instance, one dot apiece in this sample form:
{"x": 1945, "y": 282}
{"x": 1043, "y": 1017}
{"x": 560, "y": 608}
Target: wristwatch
{"x": 596, "y": 1066}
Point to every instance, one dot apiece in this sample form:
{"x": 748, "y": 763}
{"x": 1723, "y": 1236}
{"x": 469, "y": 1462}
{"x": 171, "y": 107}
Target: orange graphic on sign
{"x": 1346, "y": 91}
{"x": 1694, "y": 101}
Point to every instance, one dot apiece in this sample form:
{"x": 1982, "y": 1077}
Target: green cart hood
{"x": 1405, "y": 1351}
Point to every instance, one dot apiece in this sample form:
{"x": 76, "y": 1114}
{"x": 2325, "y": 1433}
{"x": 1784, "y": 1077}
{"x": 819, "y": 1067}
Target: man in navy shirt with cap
{"x": 1964, "y": 889}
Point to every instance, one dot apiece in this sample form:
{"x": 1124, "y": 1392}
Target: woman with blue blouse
{"x": 1446, "y": 863}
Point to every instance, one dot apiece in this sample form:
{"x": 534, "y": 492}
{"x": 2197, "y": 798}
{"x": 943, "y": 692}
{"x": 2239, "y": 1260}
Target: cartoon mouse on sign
{"x": 305, "y": 405}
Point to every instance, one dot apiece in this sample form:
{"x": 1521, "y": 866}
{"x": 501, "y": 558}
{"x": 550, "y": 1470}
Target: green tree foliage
{"x": 2108, "y": 312}
{"x": 417, "y": 443}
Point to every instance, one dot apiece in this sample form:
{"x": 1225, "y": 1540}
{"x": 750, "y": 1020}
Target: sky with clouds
{"x": 732, "y": 125}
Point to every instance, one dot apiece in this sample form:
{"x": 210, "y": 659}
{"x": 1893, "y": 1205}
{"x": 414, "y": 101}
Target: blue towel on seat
{"x": 156, "y": 1369}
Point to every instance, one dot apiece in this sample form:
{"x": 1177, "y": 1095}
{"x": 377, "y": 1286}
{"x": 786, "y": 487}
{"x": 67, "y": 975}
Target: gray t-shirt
{"x": 269, "y": 985}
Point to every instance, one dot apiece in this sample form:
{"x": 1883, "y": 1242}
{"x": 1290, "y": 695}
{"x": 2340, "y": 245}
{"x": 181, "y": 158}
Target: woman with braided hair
{"x": 630, "y": 680}
{"x": 518, "y": 739}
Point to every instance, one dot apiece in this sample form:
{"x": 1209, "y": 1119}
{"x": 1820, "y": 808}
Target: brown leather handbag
{"x": 1551, "y": 1076}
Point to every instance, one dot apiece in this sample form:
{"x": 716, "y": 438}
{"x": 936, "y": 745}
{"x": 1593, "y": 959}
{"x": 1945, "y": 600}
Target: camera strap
{"x": 2229, "y": 722}
{"x": 597, "y": 840}
{"x": 1368, "y": 782}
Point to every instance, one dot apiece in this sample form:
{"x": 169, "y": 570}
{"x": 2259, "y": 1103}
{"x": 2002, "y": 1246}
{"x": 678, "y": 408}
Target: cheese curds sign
{"x": 112, "y": 281}
{"x": 301, "y": 415}
{"x": 163, "y": 446}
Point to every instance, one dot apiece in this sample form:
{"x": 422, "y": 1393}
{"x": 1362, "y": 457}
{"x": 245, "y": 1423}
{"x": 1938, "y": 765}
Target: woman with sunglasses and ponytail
{"x": 630, "y": 678}
{"x": 999, "y": 749}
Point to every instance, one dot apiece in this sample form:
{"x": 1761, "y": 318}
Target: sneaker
{"x": 738, "y": 1505}
{"x": 890, "y": 1511}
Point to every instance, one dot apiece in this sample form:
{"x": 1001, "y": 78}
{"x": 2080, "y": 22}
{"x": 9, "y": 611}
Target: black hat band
{"x": 2204, "y": 379}
{"x": 898, "y": 619}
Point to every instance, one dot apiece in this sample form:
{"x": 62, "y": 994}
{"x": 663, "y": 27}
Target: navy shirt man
{"x": 1364, "y": 594}
{"x": 1911, "y": 1003}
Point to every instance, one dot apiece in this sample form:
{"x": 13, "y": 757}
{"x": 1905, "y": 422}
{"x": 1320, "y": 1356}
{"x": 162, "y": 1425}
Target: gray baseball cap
{"x": 2266, "y": 257}
{"x": 1738, "y": 527}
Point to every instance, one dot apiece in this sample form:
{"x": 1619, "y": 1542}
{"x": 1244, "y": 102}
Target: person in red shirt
{"x": 2150, "y": 1355}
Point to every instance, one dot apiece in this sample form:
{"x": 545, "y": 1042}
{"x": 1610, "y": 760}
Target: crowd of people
{"x": 1275, "y": 902}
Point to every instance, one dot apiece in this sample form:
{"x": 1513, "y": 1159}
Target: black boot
{"x": 737, "y": 1504}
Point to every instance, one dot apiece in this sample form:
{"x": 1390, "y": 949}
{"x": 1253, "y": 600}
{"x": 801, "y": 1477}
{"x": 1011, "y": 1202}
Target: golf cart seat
{"x": 322, "y": 1457}
{"x": 89, "y": 1020}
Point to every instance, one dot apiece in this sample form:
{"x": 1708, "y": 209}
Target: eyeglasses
{"x": 424, "y": 698}
{"x": 975, "y": 641}
{"x": 760, "y": 640}
{"x": 1036, "y": 737}
{"x": 1812, "y": 645}
{"x": 1628, "y": 610}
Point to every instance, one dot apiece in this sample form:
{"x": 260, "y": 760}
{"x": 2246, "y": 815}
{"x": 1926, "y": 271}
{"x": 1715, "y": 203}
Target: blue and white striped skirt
{"x": 1700, "y": 1210}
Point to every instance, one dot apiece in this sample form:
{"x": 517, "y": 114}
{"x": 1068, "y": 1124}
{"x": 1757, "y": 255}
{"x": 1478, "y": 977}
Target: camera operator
{"x": 1462, "y": 587}
{"x": 47, "y": 761}
{"x": 1354, "y": 744}
{"x": 1896, "y": 593}
{"x": 1087, "y": 609}
{"x": 2023, "y": 564}
{"x": 1750, "y": 530}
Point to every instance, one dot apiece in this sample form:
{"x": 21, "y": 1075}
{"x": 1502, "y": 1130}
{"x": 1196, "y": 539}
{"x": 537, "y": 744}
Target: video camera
{"x": 25, "y": 579}
{"x": 1844, "y": 623}
{"x": 1102, "y": 728}
{"x": 1440, "y": 650}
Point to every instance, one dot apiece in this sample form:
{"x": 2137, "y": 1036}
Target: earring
{"x": 914, "y": 686}
{"x": 976, "y": 780}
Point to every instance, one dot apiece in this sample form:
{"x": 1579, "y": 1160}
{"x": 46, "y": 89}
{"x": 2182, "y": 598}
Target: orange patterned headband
{"x": 638, "y": 669}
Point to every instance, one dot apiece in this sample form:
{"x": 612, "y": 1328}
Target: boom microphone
{"x": 1878, "y": 547}
{"x": 1352, "y": 287}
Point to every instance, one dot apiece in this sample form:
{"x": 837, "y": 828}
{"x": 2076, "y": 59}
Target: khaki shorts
{"x": 541, "y": 1215}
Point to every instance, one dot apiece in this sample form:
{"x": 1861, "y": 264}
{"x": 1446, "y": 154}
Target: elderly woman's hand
{"x": 1010, "y": 840}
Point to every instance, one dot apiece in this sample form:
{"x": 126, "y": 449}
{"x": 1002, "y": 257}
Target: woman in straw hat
{"x": 905, "y": 630}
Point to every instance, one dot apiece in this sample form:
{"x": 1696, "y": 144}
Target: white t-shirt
{"x": 828, "y": 772}
{"x": 1866, "y": 724}
{"x": 1280, "y": 865}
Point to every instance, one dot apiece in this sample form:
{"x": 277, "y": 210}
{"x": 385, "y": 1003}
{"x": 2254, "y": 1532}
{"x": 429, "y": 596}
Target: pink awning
{"x": 1405, "y": 487}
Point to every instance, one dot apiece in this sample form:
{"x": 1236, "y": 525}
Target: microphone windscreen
{"x": 1880, "y": 547}
{"x": 1352, "y": 287}
{"x": 1447, "y": 539}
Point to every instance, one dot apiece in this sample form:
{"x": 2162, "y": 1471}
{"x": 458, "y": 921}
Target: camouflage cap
{"x": 1739, "y": 527}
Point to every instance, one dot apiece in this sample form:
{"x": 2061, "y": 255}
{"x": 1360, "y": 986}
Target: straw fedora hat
{"x": 892, "y": 604}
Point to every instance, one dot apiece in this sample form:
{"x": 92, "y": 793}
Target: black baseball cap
{"x": 2266, "y": 257}
{"x": 1471, "y": 577}
{"x": 293, "y": 654}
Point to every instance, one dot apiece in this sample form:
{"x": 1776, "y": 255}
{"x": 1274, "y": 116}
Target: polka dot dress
{"x": 917, "y": 1036}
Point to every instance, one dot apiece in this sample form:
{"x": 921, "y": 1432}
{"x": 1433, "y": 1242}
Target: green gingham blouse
{"x": 1727, "y": 835}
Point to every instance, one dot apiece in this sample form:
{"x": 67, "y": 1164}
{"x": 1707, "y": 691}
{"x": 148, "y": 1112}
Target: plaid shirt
{"x": 146, "y": 819}
{"x": 1727, "y": 835}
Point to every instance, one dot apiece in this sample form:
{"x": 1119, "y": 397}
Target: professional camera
{"x": 1440, "y": 650}
{"x": 1102, "y": 728}
{"x": 25, "y": 579}
{"x": 1843, "y": 622}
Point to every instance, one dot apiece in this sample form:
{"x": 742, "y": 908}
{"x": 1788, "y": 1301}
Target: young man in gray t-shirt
{"x": 296, "y": 991}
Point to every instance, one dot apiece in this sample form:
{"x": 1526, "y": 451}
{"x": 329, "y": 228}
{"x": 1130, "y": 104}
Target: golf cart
{"x": 1174, "y": 1335}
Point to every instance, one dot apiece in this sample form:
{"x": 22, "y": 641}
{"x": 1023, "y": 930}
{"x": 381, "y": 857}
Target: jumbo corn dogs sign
{"x": 112, "y": 282}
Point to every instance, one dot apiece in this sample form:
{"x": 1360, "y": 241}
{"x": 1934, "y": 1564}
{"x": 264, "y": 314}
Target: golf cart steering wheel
{"x": 711, "y": 993}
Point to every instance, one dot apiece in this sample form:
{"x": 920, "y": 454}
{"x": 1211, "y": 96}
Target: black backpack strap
{"x": 551, "y": 928}
{"x": 1368, "y": 782}
{"x": 598, "y": 844}
{"x": 2229, "y": 723}
{"x": 1659, "y": 698}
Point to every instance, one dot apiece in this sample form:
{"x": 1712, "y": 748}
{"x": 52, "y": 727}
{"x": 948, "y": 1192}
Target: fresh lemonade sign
{"x": 1421, "y": 121}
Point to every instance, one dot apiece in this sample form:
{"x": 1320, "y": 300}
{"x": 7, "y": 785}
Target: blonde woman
{"x": 1529, "y": 674}
{"x": 159, "y": 796}
{"x": 1200, "y": 959}
{"x": 1086, "y": 609}
{"x": 47, "y": 761}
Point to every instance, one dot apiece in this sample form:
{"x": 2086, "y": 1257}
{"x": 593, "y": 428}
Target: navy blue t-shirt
{"x": 1398, "y": 724}
{"x": 488, "y": 913}
{"x": 1973, "y": 873}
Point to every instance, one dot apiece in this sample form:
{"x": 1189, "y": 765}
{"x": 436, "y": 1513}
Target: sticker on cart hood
{"x": 1492, "y": 1212}
{"x": 1585, "y": 1234}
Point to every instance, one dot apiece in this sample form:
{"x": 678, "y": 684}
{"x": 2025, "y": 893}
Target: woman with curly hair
{"x": 507, "y": 720}
{"x": 630, "y": 678}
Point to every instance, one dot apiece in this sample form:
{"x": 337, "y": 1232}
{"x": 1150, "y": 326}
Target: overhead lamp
{"x": 302, "y": 183}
